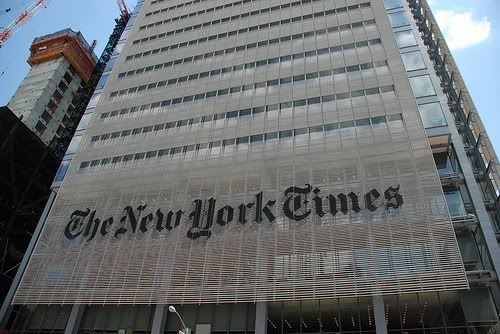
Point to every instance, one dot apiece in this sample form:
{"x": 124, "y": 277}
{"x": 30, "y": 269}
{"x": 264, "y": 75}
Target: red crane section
{"x": 21, "y": 19}
{"x": 123, "y": 8}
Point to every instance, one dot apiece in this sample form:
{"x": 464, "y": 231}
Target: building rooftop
{"x": 64, "y": 43}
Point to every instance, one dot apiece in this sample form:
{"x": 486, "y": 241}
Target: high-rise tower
{"x": 274, "y": 166}
{"x": 60, "y": 64}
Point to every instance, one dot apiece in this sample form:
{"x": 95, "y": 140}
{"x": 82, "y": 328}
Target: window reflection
{"x": 455, "y": 202}
{"x": 422, "y": 86}
{"x": 389, "y": 4}
{"x": 398, "y": 19}
{"x": 446, "y": 163}
{"x": 413, "y": 61}
{"x": 405, "y": 39}
{"x": 61, "y": 172}
{"x": 432, "y": 115}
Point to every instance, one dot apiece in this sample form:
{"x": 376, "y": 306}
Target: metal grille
{"x": 409, "y": 249}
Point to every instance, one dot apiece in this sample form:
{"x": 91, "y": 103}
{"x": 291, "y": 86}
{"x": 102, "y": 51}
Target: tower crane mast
{"x": 21, "y": 19}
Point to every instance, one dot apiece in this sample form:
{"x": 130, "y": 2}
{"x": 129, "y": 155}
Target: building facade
{"x": 61, "y": 63}
{"x": 272, "y": 167}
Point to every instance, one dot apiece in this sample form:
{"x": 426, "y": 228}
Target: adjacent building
{"x": 273, "y": 166}
{"x": 61, "y": 63}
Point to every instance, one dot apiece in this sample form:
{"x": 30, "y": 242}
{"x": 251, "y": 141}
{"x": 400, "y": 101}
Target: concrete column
{"x": 379, "y": 314}
{"x": 75, "y": 319}
{"x": 6, "y": 309}
{"x": 160, "y": 319}
{"x": 260, "y": 318}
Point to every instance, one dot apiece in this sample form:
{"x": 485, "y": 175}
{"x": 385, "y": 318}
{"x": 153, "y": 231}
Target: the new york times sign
{"x": 300, "y": 203}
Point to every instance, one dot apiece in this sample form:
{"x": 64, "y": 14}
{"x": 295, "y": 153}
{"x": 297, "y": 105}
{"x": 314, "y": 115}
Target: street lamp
{"x": 172, "y": 309}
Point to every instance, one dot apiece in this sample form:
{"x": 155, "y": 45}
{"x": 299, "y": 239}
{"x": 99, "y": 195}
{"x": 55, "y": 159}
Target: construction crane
{"x": 21, "y": 19}
{"x": 123, "y": 8}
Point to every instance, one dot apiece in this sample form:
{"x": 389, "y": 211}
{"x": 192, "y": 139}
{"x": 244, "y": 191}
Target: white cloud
{"x": 461, "y": 30}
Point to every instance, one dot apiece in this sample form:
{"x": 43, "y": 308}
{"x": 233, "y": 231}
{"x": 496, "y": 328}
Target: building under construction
{"x": 61, "y": 63}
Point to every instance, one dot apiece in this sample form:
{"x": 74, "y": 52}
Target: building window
{"x": 68, "y": 77}
{"x": 413, "y": 61}
{"x": 60, "y": 130}
{"x": 52, "y": 106}
{"x": 62, "y": 87}
{"x": 84, "y": 122}
{"x": 405, "y": 39}
{"x": 40, "y": 127}
{"x": 102, "y": 82}
{"x": 57, "y": 96}
{"x": 422, "y": 86}
{"x": 455, "y": 202}
{"x": 61, "y": 172}
{"x": 398, "y": 19}
{"x": 389, "y": 4}
{"x": 432, "y": 115}
{"x": 446, "y": 162}
{"x": 46, "y": 116}
{"x": 73, "y": 146}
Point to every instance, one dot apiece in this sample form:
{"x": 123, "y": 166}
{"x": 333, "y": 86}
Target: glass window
{"x": 102, "y": 81}
{"x": 73, "y": 146}
{"x": 455, "y": 202}
{"x": 93, "y": 101}
{"x": 389, "y": 4}
{"x": 398, "y": 19}
{"x": 413, "y": 61}
{"x": 432, "y": 115}
{"x": 40, "y": 127}
{"x": 84, "y": 122}
{"x": 422, "y": 86}
{"x": 444, "y": 163}
{"x": 405, "y": 39}
{"x": 61, "y": 172}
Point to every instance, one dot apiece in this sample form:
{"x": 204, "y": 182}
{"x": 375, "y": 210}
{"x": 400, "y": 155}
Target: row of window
{"x": 214, "y": 147}
{"x": 241, "y": 30}
{"x": 181, "y": 17}
{"x": 264, "y": 62}
{"x": 243, "y": 15}
{"x": 243, "y": 114}
{"x": 295, "y": 78}
{"x": 136, "y": 91}
{"x": 324, "y": 99}
{"x": 183, "y": 4}
{"x": 343, "y": 27}
{"x": 212, "y": 9}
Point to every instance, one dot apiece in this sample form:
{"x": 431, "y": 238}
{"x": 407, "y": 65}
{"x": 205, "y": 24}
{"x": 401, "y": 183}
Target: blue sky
{"x": 472, "y": 28}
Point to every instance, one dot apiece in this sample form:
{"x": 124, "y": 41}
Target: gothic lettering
{"x": 260, "y": 209}
{"x": 75, "y": 226}
{"x": 226, "y": 211}
{"x": 370, "y": 199}
{"x": 394, "y": 199}
{"x": 205, "y": 213}
{"x": 297, "y": 200}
